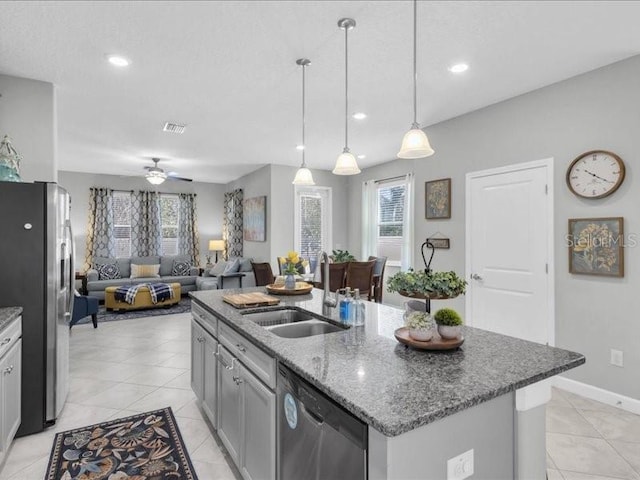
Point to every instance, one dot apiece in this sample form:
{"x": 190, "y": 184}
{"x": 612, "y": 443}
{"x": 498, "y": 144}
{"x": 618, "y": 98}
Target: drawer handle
{"x": 5, "y": 341}
{"x": 8, "y": 370}
{"x": 225, "y": 364}
{"x": 237, "y": 380}
{"x": 241, "y": 347}
{"x": 217, "y": 352}
{"x": 200, "y": 339}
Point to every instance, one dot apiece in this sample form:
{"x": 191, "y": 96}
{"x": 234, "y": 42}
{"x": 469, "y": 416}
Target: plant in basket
{"x": 449, "y": 322}
{"x": 427, "y": 285}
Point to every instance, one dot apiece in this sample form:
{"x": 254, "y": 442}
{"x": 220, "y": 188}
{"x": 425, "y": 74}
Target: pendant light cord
{"x": 346, "y": 90}
{"x": 304, "y": 145}
{"x": 415, "y": 68}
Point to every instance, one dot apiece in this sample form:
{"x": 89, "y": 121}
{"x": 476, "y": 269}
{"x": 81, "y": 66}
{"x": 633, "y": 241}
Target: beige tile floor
{"x": 120, "y": 369}
{"x": 127, "y": 367}
{"x": 588, "y": 440}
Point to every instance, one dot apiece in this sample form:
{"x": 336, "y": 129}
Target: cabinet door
{"x": 229, "y": 403}
{"x": 258, "y": 459}
{"x": 197, "y": 349}
{"x": 10, "y": 369}
{"x": 210, "y": 400}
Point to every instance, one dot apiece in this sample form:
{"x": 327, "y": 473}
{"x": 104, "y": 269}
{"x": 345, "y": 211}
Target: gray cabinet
{"x": 10, "y": 385}
{"x": 197, "y": 359}
{"x": 258, "y": 451}
{"x": 229, "y": 396}
{"x": 210, "y": 382}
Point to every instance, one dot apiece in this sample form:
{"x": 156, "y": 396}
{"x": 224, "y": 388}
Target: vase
{"x": 290, "y": 282}
{"x": 421, "y": 334}
{"x": 9, "y": 162}
{"x": 449, "y": 332}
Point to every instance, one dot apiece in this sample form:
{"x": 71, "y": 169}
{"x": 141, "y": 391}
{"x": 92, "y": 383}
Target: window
{"x": 312, "y": 223}
{"x": 122, "y": 223}
{"x": 390, "y": 214}
{"x": 169, "y": 218}
{"x": 122, "y": 220}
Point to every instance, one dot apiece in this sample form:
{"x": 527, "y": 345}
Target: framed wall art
{"x": 439, "y": 242}
{"x": 255, "y": 219}
{"x": 596, "y": 246}
{"x": 437, "y": 199}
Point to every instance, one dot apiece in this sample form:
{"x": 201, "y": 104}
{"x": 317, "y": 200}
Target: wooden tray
{"x": 436, "y": 343}
{"x": 302, "y": 288}
{"x": 253, "y": 299}
{"x": 422, "y": 296}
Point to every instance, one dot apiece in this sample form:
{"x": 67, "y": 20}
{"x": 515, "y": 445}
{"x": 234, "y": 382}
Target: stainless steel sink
{"x": 289, "y": 323}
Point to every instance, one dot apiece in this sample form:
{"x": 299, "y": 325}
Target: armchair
{"x": 83, "y": 307}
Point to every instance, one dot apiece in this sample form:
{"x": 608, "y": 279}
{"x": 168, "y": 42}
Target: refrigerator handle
{"x": 71, "y": 285}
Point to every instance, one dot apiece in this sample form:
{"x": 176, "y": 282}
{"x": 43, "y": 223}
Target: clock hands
{"x": 596, "y": 176}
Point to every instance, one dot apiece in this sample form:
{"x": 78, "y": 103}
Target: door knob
{"x": 475, "y": 276}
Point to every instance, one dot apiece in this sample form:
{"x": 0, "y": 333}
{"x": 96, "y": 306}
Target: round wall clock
{"x": 595, "y": 174}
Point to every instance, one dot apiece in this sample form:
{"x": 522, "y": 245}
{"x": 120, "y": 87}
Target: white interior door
{"x": 509, "y": 251}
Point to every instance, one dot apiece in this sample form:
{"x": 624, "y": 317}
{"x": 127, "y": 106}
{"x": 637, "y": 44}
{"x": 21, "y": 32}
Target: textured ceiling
{"x": 227, "y": 70}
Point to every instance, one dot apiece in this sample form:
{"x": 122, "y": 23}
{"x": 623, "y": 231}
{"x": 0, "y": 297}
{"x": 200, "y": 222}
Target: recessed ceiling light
{"x": 118, "y": 61}
{"x": 360, "y": 157}
{"x": 359, "y": 116}
{"x": 459, "y": 68}
{"x": 299, "y": 147}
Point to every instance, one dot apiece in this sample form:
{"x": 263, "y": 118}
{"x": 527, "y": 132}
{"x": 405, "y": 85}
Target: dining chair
{"x": 378, "y": 277}
{"x": 263, "y": 273}
{"x": 337, "y": 273}
{"x": 360, "y": 276}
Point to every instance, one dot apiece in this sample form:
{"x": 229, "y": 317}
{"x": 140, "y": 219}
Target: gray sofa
{"x": 232, "y": 273}
{"x": 95, "y": 286}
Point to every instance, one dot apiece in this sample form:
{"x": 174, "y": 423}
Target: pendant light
{"x": 346, "y": 163}
{"x": 303, "y": 175}
{"x": 415, "y": 143}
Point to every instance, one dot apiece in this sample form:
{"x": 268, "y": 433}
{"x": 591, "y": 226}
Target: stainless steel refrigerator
{"x": 37, "y": 274}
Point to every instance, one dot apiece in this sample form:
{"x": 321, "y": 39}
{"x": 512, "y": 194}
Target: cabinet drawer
{"x": 205, "y": 319}
{"x": 260, "y": 363}
{"x": 10, "y": 335}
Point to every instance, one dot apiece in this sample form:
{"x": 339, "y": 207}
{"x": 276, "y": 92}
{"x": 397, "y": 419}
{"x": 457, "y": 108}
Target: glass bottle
{"x": 358, "y": 308}
{"x": 346, "y": 304}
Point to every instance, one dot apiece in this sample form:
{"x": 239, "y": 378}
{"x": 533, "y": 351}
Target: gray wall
{"x": 597, "y": 110}
{"x": 275, "y": 182}
{"x": 209, "y": 202}
{"x": 28, "y": 116}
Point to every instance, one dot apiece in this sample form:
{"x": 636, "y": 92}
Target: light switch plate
{"x": 617, "y": 358}
{"x": 460, "y": 467}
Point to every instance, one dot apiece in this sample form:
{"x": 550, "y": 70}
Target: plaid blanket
{"x": 159, "y": 292}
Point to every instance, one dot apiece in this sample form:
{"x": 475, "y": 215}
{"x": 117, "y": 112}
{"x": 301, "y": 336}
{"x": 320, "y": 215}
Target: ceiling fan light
{"x": 155, "y": 177}
{"x": 415, "y": 144}
{"x": 346, "y": 164}
{"x": 303, "y": 177}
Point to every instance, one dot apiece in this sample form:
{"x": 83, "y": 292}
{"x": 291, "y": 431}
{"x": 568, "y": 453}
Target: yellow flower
{"x": 292, "y": 257}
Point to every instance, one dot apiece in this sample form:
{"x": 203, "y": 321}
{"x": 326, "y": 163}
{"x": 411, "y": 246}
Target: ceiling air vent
{"x": 174, "y": 128}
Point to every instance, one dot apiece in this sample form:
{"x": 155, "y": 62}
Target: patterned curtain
{"x": 100, "y": 239}
{"x": 232, "y": 227}
{"x": 188, "y": 238}
{"x": 146, "y": 232}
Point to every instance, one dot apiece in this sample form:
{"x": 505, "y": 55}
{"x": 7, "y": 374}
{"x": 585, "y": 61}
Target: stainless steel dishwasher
{"x": 317, "y": 438}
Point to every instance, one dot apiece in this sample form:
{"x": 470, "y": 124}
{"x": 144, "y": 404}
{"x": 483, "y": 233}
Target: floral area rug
{"x": 103, "y": 316}
{"x": 147, "y": 446}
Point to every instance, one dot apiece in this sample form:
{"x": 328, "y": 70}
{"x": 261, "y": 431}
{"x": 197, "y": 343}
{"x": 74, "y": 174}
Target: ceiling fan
{"x": 156, "y": 175}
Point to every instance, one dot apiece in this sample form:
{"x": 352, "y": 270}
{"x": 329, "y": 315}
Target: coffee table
{"x": 142, "y": 300}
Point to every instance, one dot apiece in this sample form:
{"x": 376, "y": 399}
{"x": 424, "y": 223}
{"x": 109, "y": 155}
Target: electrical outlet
{"x": 617, "y": 358}
{"x": 460, "y": 467}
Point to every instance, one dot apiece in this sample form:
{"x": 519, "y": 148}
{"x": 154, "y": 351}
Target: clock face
{"x": 595, "y": 174}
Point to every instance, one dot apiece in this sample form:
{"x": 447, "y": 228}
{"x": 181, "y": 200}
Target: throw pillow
{"x": 218, "y": 268}
{"x": 145, "y": 271}
{"x": 232, "y": 266}
{"x": 108, "y": 271}
{"x": 180, "y": 268}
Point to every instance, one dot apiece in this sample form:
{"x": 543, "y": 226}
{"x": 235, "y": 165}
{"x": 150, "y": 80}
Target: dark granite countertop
{"x": 7, "y": 315}
{"x": 390, "y": 387}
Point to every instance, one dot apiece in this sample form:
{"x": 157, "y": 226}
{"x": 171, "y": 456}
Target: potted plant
{"x": 449, "y": 322}
{"x": 421, "y": 326}
{"x": 291, "y": 270}
{"x": 422, "y": 285}
{"x": 342, "y": 256}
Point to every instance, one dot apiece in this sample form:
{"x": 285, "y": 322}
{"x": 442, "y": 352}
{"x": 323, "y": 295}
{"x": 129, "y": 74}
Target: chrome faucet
{"x": 328, "y": 301}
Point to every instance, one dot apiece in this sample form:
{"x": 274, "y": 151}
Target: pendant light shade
{"x": 303, "y": 175}
{"x": 415, "y": 143}
{"x": 346, "y": 163}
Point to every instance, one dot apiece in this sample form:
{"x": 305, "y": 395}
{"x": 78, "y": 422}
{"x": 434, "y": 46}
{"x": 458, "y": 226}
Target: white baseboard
{"x": 598, "y": 394}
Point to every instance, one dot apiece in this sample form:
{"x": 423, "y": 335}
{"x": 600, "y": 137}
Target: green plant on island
{"x": 434, "y": 284}
{"x": 341, "y": 256}
{"x": 448, "y": 317}
{"x": 420, "y": 321}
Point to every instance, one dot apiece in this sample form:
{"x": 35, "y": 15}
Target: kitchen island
{"x": 421, "y": 408}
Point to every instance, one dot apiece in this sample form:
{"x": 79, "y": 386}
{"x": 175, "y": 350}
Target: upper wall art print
{"x": 437, "y": 199}
{"x": 596, "y": 246}
{"x": 255, "y": 219}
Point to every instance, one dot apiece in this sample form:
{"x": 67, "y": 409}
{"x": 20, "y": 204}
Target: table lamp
{"x": 216, "y": 246}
